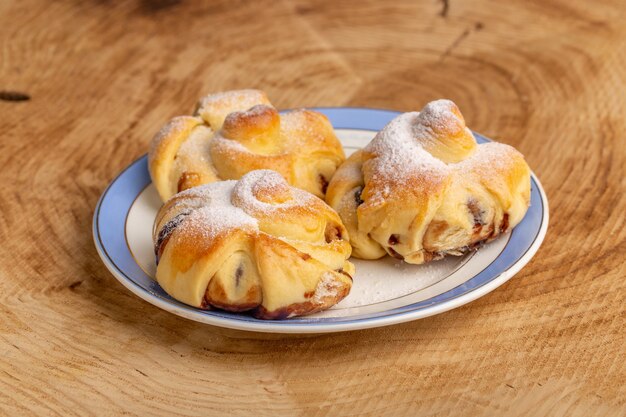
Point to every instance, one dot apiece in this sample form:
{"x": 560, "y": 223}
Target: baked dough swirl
{"x": 424, "y": 188}
{"x": 257, "y": 244}
{"x": 235, "y": 132}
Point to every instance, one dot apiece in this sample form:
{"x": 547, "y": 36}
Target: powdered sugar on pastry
{"x": 195, "y": 150}
{"x": 400, "y": 158}
{"x": 236, "y": 244}
{"x": 213, "y": 221}
{"x": 265, "y": 191}
{"x": 230, "y": 98}
{"x": 424, "y": 188}
{"x": 235, "y": 132}
{"x": 438, "y": 115}
{"x": 231, "y": 144}
{"x": 296, "y": 121}
{"x": 217, "y": 213}
{"x": 326, "y": 287}
{"x": 399, "y": 152}
{"x": 173, "y": 128}
{"x": 489, "y": 160}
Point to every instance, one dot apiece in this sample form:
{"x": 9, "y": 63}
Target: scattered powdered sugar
{"x": 224, "y": 205}
{"x": 211, "y": 221}
{"x": 196, "y": 147}
{"x": 214, "y": 108}
{"x": 231, "y": 144}
{"x": 259, "y": 114}
{"x": 298, "y": 121}
{"x": 441, "y": 115}
{"x": 400, "y": 156}
{"x": 215, "y": 193}
{"x": 257, "y": 109}
{"x": 270, "y": 183}
{"x": 489, "y": 160}
{"x": 399, "y": 151}
{"x": 326, "y": 287}
{"x": 388, "y": 278}
{"x": 173, "y": 127}
{"x": 229, "y": 98}
{"x": 217, "y": 214}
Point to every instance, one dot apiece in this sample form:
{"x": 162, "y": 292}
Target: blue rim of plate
{"x": 109, "y": 232}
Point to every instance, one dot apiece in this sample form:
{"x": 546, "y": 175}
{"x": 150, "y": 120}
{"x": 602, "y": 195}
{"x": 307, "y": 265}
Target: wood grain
{"x": 545, "y": 76}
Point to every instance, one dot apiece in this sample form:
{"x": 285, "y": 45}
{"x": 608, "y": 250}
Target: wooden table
{"x": 548, "y": 77}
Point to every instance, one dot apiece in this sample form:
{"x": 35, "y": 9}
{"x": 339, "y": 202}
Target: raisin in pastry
{"x": 423, "y": 188}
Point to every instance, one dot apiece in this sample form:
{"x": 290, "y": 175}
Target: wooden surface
{"x": 548, "y": 77}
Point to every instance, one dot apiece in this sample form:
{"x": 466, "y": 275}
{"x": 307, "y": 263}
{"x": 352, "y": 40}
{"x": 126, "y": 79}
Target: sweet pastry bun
{"x": 235, "y": 132}
{"x": 256, "y": 244}
{"x": 423, "y": 188}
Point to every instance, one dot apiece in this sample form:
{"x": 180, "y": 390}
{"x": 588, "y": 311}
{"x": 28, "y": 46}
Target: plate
{"x": 384, "y": 292}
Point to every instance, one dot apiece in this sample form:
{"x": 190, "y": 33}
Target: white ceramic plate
{"x": 384, "y": 292}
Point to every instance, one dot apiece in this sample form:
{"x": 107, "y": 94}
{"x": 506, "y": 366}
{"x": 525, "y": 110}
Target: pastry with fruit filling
{"x": 254, "y": 245}
{"x": 423, "y": 188}
{"x": 235, "y": 132}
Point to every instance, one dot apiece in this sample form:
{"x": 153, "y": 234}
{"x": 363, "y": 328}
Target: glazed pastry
{"x": 257, "y": 245}
{"x": 236, "y": 132}
{"x": 424, "y": 188}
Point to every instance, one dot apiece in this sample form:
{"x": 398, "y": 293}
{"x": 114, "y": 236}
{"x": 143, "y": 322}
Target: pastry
{"x": 256, "y": 244}
{"x": 423, "y": 188}
{"x": 235, "y": 132}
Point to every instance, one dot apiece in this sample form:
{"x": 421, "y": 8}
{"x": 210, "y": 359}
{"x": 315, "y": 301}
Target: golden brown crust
{"x": 257, "y": 124}
{"x": 214, "y": 108}
{"x": 424, "y": 188}
{"x": 256, "y": 244}
{"x": 236, "y": 132}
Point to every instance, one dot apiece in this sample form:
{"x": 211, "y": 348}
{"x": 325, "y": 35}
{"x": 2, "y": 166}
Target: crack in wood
{"x": 155, "y": 6}
{"x": 73, "y": 285}
{"x": 454, "y": 44}
{"x": 445, "y": 7}
{"x": 7, "y": 95}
